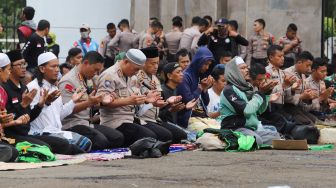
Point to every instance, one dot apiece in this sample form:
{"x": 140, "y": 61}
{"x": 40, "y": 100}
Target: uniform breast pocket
{"x": 123, "y": 92}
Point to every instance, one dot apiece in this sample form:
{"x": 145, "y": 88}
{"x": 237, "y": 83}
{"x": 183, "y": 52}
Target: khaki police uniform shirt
{"x": 144, "y": 40}
{"x": 113, "y": 82}
{"x": 258, "y": 45}
{"x": 189, "y": 39}
{"x": 320, "y": 86}
{"x": 123, "y": 41}
{"x": 104, "y": 49}
{"x": 293, "y": 97}
{"x": 67, "y": 86}
{"x": 151, "y": 114}
{"x": 173, "y": 40}
{"x": 278, "y": 75}
{"x": 283, "y": 41}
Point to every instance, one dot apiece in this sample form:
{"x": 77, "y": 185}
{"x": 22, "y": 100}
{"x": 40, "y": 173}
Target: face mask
{"x": 85, "y": 34}
{"x": 49, "y": 40}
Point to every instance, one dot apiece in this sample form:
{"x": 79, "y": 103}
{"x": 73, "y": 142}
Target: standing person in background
{"x": 222, "y": 39}
{"x": 52, "y": 45}
{"x": 35, "y": 45}
{"x": 237, "y": 49}
{"x": 27, "y": 27}
{"x": 147, "y": 38}
{"x": 173, "y": 38}
{"x": 86, "y": 43}
{"x": 107, "y": 52}
{"x": 123, "y": 41}
{"x": 209, "y": 19}
{"x": 258, "y": 44}
{"x": 291, "y": 45}
{"x": 191, "y": 35}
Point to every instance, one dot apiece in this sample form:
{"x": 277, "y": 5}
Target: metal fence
{"x": 328, "y": 38}
{"x": 10, "y": 11}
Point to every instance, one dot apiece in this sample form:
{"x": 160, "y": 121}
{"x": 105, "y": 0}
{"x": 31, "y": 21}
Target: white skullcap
{"x": 239, "y": 60}
{"x": 4, "y": 60}
{"x": 45, "y": 58}
{"x": 136, "y": 56}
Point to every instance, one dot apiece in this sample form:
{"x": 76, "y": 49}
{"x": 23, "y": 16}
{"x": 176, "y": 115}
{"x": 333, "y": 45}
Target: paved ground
{"x": 189, "y": 169}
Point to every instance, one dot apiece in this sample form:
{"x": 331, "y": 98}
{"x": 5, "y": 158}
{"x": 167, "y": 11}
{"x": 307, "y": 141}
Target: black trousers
{"x": 28, "y": 138}
{"x": 102, "y": 137}
{"x": 60, "y": 145}
{"x": 178, "y": 134}
{"x": 133, "y": 132}
{"x": 8, "y": 153}
{"x": 161, "y": 132}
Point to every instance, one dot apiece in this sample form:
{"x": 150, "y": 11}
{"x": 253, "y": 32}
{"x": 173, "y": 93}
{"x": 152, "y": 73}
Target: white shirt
{"x": 49, "y": 120}
{"x": 213, "y": 105}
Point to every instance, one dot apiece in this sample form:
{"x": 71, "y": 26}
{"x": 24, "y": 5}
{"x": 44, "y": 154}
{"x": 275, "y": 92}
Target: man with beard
{"x": 53, "y": 111}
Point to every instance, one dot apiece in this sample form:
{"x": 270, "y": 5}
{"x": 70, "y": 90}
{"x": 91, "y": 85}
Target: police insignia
{"x": 227, "y": 40}
{"x": 107, "y": 83}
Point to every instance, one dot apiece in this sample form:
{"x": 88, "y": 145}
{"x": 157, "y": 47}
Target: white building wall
{"x": 66, "y": 16}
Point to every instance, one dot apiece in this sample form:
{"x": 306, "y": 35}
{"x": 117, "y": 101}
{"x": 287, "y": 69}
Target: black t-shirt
{"x": 32, "y": 49}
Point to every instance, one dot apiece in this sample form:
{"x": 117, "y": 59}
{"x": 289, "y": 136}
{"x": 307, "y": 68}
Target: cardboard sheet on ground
{"x": 23, "y": 166}
{"x": 290, "y": 144}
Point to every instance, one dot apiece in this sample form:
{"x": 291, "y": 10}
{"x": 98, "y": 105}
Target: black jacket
{"x": 14, "y": 106}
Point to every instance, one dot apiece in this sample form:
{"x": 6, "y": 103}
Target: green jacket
{"x": 234, "y": 102}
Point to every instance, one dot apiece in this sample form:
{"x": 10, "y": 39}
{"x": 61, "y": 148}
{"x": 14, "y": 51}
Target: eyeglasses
{"x": 22, "y": 65}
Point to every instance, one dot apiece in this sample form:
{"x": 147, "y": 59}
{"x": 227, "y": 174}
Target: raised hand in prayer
{"x": 77, "y": 95}
{"x": 174, "y": 99}
{"x": 51, "y": 97}
{"x": 289, "y": 80}
{"x": 27, "y": 97}
{"x": 176, "y": 107}
{"x": 5, "y": 118}
{"x": 135, "y": 99}
{"x": 95, "y": 99}
{"x": 296, "y": 85}
{"x": 107, "y": 99}
{"x": 24, "y": 119}
{"x": 152, "y": 96}
{"x": 326, "y": 94}
{"x": 191, "y": 104}
{"x": 160, "y": 103}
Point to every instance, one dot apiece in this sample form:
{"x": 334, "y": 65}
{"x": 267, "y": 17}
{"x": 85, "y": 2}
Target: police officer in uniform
{"x": 80, "y": 76}
{"x": 123, "y": 97}
{"x": 258, "y": 44}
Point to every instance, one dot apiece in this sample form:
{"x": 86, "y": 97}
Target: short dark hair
{"x": 29, "y": 12}
{"x": 123, "y": 22}
{"x": 195, "y": 20}
{"x": 256, "y": 69}
{"x": 208, "y": 17}
{"x": 225, "y": 53}
{"x": 272, "y": 50}
{"x": 110, "y": 26}
{"x": 93, "y": 57}
{"x": 203, "y": 22}
{"x": 65, "y": 65}
{"x": 292, "y": 27}
{"x": 319, "y": 62}
{"x": 261, "y": 21}
{"x": 234, "y": 24}
{"x": 182, "y": 52}
{"x": 72, "y": 53}
{"x": 154, "y": 19}
{"x": 305, "y": 55}
{"x": 155, "y": 24}
{"x": 42, "y": 25}
{"x": 177, "y": 21}
{"x": 217, "y": 72}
